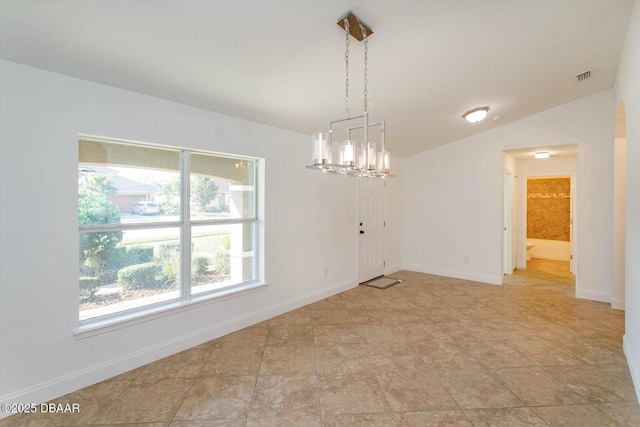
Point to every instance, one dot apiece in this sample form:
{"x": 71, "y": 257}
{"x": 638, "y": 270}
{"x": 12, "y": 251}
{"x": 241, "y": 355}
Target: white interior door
{"x": 370, "y": 228}
{"x": 507, "y": 228}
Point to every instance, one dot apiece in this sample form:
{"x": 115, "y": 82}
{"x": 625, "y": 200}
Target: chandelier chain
{"x": 346, "y": 70}
{"x": 366, "y": 61}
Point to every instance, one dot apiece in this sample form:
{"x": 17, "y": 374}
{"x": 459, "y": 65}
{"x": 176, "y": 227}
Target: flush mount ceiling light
{"x": 358, "y": 159}
{"x": 476, "y": 115}
{"x": 541, "y": 155}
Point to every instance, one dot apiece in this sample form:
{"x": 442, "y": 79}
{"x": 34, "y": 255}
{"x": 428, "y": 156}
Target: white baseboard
{"x": 593, "y": 295}
{"x": 633, "y": 368}
{"x": 493, "y": 280}
{"x": 617, "y": 304}
{"x": 60, "y": 386}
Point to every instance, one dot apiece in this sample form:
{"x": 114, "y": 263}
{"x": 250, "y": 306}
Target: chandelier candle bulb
{"x": 348, "y": 153}
{"x": 320, "y": 149}
{"x": 387, "y": 162}
{"x": 371, "y": 155}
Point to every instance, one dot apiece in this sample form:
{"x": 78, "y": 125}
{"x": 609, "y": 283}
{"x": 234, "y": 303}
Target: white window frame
{"x": 186, "y": 300}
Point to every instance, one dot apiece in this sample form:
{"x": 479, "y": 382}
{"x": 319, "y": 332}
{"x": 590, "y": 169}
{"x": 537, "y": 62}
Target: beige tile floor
{"x": 431, "y": 351}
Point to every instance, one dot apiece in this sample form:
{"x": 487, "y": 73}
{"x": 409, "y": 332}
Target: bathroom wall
{"x": 549, "y": 208}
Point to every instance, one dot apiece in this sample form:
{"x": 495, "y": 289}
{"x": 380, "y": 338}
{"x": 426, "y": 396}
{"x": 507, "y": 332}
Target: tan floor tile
{"x": 402, "y": 303}
{"x": 186, "y": 364}
{"x": 342, "y": 359}
{"x": 433, "y": 419}
{"x": 496, "y": 354}
{"x": 351, "y": 394}
{"x": 334, "y": 302}
{"x": 240, "y": 422}
{"x": 446, "y": 315}
{"x": 544, "y": 352}
{"x": 147, "y": 401}
{"x": 477, "y": 388}
{"x": 535, "y": 387}
{"x": 335, "y": 334}
{"x": 360, "y": 420}
{"x": 288, "y": 360}
{"x": 371, "y": 348}
{"x": 597, "y": 383}
{"x": 385, "y": 357}
{"x": 362, "y": 303}
{"x": 422, "y": 331}
{"x": 381, "y": 334}
{"x": 25, "y": 420}
{"x": 290, "y": 335}
{"x": 591, "y": 351}
{"x": 626, "y": 413}
{"x": 217, "y": 397}
{"x": 575, "y": 416}
{"x": 93, "y": 401}
{"x": 285, "y": 396}
{"x": 165, "y": 424}
{"x": 508, "y": 417}
{"x": 295, "y": 421}
{"x": 465, "y": 332}
{"x": 233, "y": 361}
{"x": 415, "y": 390}
{"x": 253, "y": 336}
{"x": 445, "y": 355}
{"x": 370, "y": 317}
{"x": 300, "y": 316}
{"x": 551, "y": 330}
{"x": 129, "y": 375}
{"x": 331, "y": 317}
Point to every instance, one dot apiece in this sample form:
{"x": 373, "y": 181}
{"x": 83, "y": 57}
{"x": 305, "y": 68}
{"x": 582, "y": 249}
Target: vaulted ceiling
{"x": 281, "y": 62}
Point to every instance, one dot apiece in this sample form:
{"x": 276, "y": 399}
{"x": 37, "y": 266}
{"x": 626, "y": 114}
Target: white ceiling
{"x": 281, "y": 62}
{"x": 564, "y": 151}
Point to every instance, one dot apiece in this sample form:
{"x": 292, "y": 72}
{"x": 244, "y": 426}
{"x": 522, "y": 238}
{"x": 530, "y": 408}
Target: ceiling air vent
{"x": 583, "y": 76}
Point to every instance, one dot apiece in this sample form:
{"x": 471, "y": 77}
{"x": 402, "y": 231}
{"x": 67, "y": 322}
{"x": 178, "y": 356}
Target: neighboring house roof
{"x": 119, "y": 183}
{"x": 128, "y": 186}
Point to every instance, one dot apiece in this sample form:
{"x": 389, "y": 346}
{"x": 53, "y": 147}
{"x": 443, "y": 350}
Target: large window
{"x": 160, "y": 226}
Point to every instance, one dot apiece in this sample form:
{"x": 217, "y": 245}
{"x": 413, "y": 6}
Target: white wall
{"x": 455, "y": 208}
{"x": 306, "y": 229}
{"x": 627, "y": 90}
{"x": 619, "y": 219}
{"x": 393, "y": 217}
{"x": 559, "y": 166}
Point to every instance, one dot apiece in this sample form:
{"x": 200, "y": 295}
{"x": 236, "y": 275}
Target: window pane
{"x": 222, "y": 255}
{"x": 122, "y": 270}
{"x": 119, "y": 183}
{"x": 222, "y": 187}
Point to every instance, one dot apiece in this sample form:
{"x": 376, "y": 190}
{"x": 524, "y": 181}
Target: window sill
{"x": 99, "y": 327}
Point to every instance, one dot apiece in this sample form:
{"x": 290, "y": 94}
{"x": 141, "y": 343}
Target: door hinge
{"x": 384, "y": 263}
{"x": 571, "y": 257}
{"x": 384, "y": 223}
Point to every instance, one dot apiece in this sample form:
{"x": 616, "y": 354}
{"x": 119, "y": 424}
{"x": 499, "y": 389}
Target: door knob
{"x": 361, "y": 232}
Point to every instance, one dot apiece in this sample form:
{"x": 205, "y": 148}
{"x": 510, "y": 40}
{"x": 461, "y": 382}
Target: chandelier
{"x": 349, "y": 157}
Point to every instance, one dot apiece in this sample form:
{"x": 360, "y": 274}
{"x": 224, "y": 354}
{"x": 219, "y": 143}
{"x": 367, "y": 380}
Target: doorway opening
{"x": 549, "y": 217}
{"x": 523, "y": 165}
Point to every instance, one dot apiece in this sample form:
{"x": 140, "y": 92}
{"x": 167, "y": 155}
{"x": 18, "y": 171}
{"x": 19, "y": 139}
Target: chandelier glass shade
{"x": 351, "y": 157}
